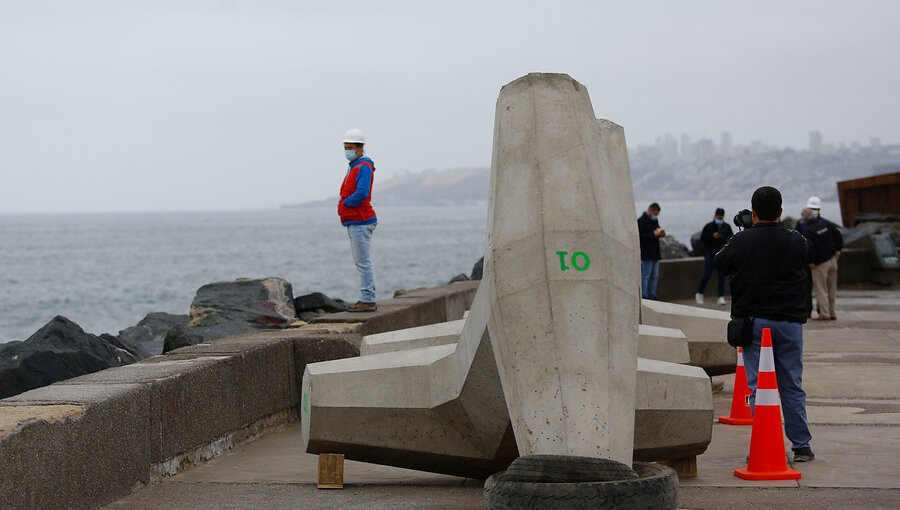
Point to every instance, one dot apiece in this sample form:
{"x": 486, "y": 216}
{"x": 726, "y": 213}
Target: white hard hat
{"x": 354, "y": 136}
{"x": 814, "y": 203}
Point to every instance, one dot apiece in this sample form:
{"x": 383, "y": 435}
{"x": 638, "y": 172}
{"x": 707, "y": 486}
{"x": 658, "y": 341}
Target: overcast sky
{"x": 194, "y": 105}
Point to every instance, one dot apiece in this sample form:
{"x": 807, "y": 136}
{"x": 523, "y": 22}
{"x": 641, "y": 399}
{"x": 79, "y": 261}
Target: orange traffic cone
{"x": 768, "y": 460}
{"x": 740, "y": 401}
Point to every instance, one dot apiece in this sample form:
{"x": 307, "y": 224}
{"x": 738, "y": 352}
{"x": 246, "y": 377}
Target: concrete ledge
{"x": 77, "y": 459}
{"x": 84, "y": 442}
{"x": 417, "y": 308}
{"x": 706, "y": 332}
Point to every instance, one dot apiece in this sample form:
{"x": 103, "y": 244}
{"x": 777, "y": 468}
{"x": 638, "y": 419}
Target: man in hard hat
{"x": 825, "y": 243}
{"x": 357, "y": 214}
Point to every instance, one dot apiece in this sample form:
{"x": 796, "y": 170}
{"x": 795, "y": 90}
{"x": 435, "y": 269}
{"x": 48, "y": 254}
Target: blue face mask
{"x": 350, "y": 155}
{"x": 654, "y": 216}
{"x": 719, "y": 222}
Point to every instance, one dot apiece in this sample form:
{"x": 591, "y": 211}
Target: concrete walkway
{"x": 852, "y": 379}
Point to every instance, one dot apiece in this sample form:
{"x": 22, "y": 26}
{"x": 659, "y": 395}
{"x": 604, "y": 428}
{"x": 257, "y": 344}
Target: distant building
{"x": 726, "y": 143}
{"x": 704, "y": 148}
{"x": 875, "y": 143}
{"x": 686, "y": 149}
{"x": 815, "y": 142}
{"x": 668, "y": 147}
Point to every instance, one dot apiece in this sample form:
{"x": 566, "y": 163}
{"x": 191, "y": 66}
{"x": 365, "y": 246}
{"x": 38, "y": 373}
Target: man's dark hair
{"x": 720, "y": 211}
{"x": 766, "y": 202}
{"x": 655, "y": 206}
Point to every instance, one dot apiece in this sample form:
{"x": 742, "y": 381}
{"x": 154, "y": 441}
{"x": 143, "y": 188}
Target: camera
{"x": 744, "y": 219}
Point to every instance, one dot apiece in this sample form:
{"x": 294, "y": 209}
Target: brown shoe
{"x": 362, "y": 306}
{"x": 821, "y": 318}
{"x": 833, "y": 318}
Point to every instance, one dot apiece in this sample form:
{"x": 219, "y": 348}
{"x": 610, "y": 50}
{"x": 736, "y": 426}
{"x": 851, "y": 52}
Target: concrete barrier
{"x": 87, "y": 441}
{"x": 705, "y": 331}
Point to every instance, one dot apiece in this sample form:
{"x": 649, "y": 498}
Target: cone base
{"x": 728, "y": 420}
{"x": 787, "y": 474}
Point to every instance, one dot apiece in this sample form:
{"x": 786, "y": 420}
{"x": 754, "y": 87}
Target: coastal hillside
{"x": 458, "y": 186}
{"x": 658, "y": 177}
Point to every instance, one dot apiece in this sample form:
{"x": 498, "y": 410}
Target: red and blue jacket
{"x": 355, "y": 205}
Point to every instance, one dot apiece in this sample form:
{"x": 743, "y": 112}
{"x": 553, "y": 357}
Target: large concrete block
{"x": 673, "y": 411}
{"x": 413, "y": 338}
{"x": 442, "y": 409}
{"x": 438, "y": 408}
{"x": 663, "y": 344}
{"x": 560, "y": 254}
{"x": 705, "y": 331}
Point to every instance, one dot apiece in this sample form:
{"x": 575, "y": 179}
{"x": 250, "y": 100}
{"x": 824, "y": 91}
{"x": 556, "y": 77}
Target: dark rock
{"x": 459, "y": 278}
{"x": 317, "y": 301}
{"x": 59, "y": 350}
{"x": 263, "y": 302}
{"x": 227, "y": 309}
{"x": 183, "y": 336}
{"x": 478, "y": 270}
{"x": 672, "y": 249}
{"x": 857, "y": 237}
{"x": 401, "y": 292}
{"x": 136, "y": 350}
{"x": 789, "y": 223}
{"x": 150, "y": 332}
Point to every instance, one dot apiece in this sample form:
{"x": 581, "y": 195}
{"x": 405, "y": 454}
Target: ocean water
{"x": 106, "y": 271}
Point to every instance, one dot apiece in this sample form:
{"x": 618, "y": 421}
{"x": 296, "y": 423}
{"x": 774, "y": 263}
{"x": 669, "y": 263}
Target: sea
{"x": 107, "y": 271}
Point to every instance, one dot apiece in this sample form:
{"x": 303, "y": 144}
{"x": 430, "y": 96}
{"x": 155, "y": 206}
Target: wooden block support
{"x": 331, "y": 471}
{"x": 686, "y": 467}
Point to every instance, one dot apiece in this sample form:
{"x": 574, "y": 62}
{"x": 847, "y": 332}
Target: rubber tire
{"x": 657, "y": 488}
{"x": 566, "y": 469}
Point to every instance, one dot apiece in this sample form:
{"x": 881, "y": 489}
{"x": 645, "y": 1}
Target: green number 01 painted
{"x": 580, "y": 265}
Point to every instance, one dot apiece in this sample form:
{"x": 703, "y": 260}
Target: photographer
{"x": 768, "y": 285}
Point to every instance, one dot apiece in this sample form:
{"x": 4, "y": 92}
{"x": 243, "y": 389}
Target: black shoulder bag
{"x": 740, "y": 331}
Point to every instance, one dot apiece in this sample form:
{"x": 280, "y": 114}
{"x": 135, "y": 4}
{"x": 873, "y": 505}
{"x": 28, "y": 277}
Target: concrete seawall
{"x": 679, "y": 278}
{"x": 86, "y": 441}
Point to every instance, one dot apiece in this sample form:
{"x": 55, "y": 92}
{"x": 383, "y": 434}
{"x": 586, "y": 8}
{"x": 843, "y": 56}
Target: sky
{"x": 224, "y": 105}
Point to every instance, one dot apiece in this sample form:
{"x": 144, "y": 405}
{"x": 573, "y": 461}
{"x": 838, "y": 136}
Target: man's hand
{"x": 658, "y": 232}
{"x": 812, "y": 266}
{"x": 837, "y": 255}
{"x": 717, "y": 235}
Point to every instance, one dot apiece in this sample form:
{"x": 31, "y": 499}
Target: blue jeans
{"x": 649, "y": 278}
{"x": 709, "y": 265}
{"x": 787, "y": 346}
{"x": 360, "y": 241}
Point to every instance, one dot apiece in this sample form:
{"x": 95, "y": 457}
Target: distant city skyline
{"x": 685, "y": 147}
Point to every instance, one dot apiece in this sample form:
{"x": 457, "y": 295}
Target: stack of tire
{"x": 545, "y": 482}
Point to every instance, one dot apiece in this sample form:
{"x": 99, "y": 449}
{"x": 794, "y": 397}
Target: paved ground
{"x": 852, "y": 379}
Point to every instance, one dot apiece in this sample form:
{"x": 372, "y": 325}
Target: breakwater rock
{"x": 231, "y": 308}
{"x": 59, "y": 350}
{"x": 150, "y": 333}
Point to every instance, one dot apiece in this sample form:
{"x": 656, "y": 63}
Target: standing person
{"x": 714, "y": 236}
{"x": 766, "y": 264}
{"x": 649, "y": 232}
{"x": 357, "y": 214}
{"x": 825, "y": 245}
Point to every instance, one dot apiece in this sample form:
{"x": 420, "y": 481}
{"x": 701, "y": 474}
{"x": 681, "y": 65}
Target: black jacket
{"x": 767, "y": 265}
{"x": 823, "y": 239}
{"x": 712, "y": 244}
{"x": 649, "y": 242}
